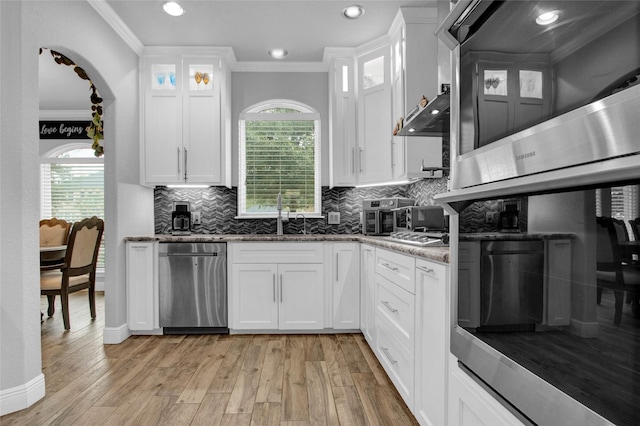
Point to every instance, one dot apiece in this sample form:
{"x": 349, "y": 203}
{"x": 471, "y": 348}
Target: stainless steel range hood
{"x": 432, "y": 120}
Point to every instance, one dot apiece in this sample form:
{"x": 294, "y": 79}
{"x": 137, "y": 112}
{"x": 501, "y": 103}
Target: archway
{"x": 94, "y": 129}
{"x": 71, "y": 122}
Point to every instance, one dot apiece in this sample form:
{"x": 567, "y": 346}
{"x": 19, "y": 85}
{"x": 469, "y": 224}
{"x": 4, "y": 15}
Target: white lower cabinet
{"x": 471, "y": 405}
{"x": 255, "y": 303}
{"x": 394, "y": 319}
{"x": 367, "y": 293}
{"x": 432, "y": 342}
{"x": 396, "y": 307}
{"x": 278, "y": 297}
{"x": 345, "y": 277}
{"x": 277, "y": 286}
{"x": 396, "y": 359}
{"x": 142, "y": 286}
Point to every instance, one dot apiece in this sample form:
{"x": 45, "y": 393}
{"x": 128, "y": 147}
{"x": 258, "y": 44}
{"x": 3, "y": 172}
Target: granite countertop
{"x": 491, "y": 236}
{"x": 436, "y": 253}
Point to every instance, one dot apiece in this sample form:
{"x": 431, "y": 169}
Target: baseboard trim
{"x": 20, "y": 397}
{"x": 584, "y": 329}
{"x": 115, "y": 335}
{"x": 300, "y": 331}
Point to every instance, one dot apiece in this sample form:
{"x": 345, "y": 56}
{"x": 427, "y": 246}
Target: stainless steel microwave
{"x": 377, "y": 214}
{"x": 419, "y": 218}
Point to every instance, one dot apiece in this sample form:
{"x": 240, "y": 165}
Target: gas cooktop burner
{"x": 421, "y": 239}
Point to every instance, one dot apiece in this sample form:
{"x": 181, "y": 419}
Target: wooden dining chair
{"x": 54, "y": 232}
{"x": 612, "y": 268}
{"x": 79, "y": 269}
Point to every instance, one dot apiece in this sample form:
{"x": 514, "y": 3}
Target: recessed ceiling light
{"x": 547, "y": 18}
{"x": 278, "y": 53}
{"x": 173, "y": 8}
{"x": 353, "y": 11}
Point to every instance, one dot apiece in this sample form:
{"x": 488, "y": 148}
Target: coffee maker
{"x": 181, "y": 218}
{"x": 509, "y": 221}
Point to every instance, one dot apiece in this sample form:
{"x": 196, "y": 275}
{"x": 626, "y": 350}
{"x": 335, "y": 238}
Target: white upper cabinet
{"x": 374, "y": 116}
{"x": 343, "y": 146}
{"x": 371, "y": 88}
{"x": 414, "y": 73}
{"x": 186, "y": 133}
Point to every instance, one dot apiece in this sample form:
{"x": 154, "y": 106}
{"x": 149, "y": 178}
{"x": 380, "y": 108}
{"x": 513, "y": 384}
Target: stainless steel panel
{"x": 605, "y": 129}
{"x": 193, "y": 285}
{"x": 532, "y": 396}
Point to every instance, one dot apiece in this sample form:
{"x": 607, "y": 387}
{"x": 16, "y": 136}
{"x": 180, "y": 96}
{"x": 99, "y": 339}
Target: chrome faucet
{"x": 279, "y": 222}
{"x": 304, "y": 222}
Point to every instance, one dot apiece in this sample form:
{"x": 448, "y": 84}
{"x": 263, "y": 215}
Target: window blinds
{"x": 279, "y": 155}
{"x": 73, "y": 192}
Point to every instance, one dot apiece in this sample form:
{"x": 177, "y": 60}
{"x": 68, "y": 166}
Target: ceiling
{"x": 250, "y": 27}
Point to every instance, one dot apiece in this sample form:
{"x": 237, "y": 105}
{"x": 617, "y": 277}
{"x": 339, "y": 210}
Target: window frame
{"x": 254, "y": 113}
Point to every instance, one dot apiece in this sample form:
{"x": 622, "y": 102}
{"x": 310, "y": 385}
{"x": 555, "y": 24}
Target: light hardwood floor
{"x": 207, "y": 380}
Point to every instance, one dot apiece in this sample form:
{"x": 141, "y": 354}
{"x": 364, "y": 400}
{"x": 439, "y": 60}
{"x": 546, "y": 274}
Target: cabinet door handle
{"x": 388, "y": 355}
{"x": 274, "y": 288}
{"x": 178, "y": 148}
{"x": 361, "y": 160}
{"x": 388, "y": 306}
{"x": 427, "y": 270}
{"x": 393, "y": 268}
{"x": 337, "y": 268}
{"x": 185, "y": 164}
{"x": 393, "y": 157}
{"x": 281, "y": 288}
{"x": 353, "y": 160}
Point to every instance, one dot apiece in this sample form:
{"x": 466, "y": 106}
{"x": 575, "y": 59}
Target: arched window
{"x": 72, "y": 185}
{"x": 279, "y": 152}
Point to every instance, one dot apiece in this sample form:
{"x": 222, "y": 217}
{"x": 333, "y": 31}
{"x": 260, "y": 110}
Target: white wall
{"x": 311, "y": 88}
{"x": 76, "y": 30}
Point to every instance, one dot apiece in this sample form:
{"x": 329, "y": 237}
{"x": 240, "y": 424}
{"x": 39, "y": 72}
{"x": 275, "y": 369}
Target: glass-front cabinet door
{"x": 162, "y": 157}
{"x": 374, "y": 116}
{"x": 183, "y": 139}
{"x": 201, "y": 120}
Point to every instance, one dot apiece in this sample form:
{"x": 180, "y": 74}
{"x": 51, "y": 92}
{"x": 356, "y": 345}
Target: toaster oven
{"x": 414, "y": 218}
{"x": 378, "y": 214}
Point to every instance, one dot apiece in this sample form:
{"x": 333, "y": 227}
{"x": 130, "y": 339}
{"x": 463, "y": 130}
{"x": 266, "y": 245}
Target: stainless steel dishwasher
{"x": 193, "y": 288}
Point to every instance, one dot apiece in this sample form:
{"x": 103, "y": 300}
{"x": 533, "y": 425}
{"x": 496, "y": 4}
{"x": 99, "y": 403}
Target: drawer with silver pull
{"x": 396, "y": 306}
{"x": 396, "y": 360}
{"x": 397, "y": 268}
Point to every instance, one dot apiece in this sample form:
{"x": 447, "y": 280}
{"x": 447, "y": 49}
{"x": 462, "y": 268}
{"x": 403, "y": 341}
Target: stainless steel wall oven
{"x": 548, "y": 112}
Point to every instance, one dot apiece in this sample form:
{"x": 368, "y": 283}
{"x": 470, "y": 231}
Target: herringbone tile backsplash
{"x": 218, "y": 207}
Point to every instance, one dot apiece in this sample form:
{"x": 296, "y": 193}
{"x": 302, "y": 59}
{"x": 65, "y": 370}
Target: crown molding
{"x": 337, "y": 52}
{"x": 280, "y": 67}
{"x": 117, "y": 24}
{"x": 224, "y": 52}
